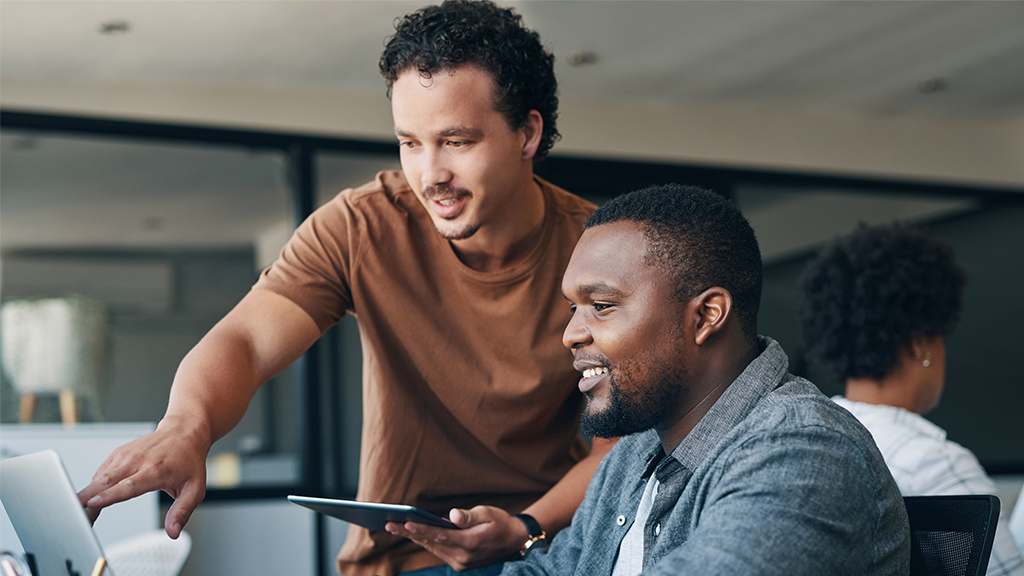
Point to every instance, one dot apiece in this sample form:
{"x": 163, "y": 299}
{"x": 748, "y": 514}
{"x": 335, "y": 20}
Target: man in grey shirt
{"x": 729, "y": 464}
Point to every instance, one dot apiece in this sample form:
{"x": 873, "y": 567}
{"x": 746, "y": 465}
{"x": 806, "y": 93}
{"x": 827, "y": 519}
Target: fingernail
{"x": 93, "y": 502}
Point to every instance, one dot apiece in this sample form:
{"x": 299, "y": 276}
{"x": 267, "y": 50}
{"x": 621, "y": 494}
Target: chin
{"x": 609, "y": 423}
{"x": 451, "y": 231}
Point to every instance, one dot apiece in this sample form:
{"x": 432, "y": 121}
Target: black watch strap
{"x": 537, "y": 535}
{"x": 532, "y": 526}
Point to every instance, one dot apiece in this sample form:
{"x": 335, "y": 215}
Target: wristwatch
{"x": 538, "y": 537}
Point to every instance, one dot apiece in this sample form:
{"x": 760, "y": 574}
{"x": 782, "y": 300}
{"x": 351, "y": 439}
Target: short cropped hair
{"x": 699, "y": 239}
{"x": 870, "y": 293}
{"x": 460, "y": 32}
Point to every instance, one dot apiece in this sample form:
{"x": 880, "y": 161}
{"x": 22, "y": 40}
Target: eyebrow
{"x": 462, "y": 132}
{"x": 454, "y": 132}
{"x": 599, "y": 288}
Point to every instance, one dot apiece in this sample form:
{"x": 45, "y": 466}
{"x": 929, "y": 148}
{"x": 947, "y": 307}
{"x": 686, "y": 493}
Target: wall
{"x": 921, "y": 148}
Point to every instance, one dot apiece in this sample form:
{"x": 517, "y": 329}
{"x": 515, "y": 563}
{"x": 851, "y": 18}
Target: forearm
{"x": 217, "y": 379}
{"x": 212, "y": 388}
{"x": 555, "y": 509}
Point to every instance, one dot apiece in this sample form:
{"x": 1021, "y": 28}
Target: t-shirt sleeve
{"x": 314, "y": 267}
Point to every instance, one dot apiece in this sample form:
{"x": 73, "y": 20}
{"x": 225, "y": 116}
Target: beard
{"x": 642, "y": 407}
{"x": 452, "y": 231}
{"x": 446, "y": 227}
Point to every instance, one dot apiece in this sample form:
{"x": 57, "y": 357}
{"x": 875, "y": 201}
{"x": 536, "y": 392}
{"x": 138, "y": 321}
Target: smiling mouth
{"x": 591, "y": 376}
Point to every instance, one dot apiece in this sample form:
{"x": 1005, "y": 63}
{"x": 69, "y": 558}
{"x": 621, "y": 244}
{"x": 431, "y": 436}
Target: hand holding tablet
{"x": 371, "y": 515}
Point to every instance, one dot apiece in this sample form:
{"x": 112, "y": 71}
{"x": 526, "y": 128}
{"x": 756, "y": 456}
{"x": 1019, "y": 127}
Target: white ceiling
{"x": 843, "y": 58}
{"x": 848, "y": 57}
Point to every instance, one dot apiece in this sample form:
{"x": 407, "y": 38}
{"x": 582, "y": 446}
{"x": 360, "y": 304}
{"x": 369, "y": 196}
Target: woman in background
{"x": 875, "y": 306}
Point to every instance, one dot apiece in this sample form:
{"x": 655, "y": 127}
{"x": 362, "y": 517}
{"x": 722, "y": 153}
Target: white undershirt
{"x": 630, "y": 560}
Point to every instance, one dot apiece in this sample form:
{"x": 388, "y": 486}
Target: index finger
{"x": 101, "y": 480}
{"x": 105, "y": 490}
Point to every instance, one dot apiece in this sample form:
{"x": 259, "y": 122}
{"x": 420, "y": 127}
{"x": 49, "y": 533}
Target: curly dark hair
{"x": 462, "y": 32}
{"x": 699, "y": 238}
{"x": 871, "y": 293}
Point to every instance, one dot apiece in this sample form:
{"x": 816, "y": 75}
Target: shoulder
{"x": 385, "y": 199}
{"x": 387, "y": 188}
{"x": 798, "y": 403}
{"x": 922, "y": 460}
{"x": 797, "y": 422}
{"x": 942, "y": 467}
{"x": 567, "y": 204}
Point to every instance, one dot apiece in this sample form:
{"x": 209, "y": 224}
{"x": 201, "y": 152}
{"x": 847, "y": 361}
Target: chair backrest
{"x": 951, "y": 535}
{"x": 151, "y": 553}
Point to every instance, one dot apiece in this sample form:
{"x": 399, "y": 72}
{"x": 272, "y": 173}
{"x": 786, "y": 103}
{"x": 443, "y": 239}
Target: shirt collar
{"x": 884, "y": 413}
{"x": 764, "y": 374}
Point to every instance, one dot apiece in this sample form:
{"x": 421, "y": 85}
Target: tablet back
{"x": 47, "y": 516}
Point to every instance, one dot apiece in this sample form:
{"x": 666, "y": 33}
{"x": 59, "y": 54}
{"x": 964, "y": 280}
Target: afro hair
{"x": 869, "y": 294}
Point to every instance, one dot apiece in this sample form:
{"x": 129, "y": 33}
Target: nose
{"x": 435, "y": 168}
{"x": 576, "y": 334}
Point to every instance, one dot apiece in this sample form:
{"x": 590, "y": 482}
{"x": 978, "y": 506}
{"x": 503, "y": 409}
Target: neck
{"x": 718, "y": 374}
{"x": 510, "y": 238}
{"x": 887, "y": 390}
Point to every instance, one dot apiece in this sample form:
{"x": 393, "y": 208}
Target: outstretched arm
{"x": 490, "y": 534}
{"x": 212, "y": 388}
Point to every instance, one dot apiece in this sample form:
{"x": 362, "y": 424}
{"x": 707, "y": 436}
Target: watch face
{"x": 535, "y": 542}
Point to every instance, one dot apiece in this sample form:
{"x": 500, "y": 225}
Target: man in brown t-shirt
{"x": 452, "y": 268}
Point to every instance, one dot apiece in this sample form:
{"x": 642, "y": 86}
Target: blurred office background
{"x": 156, "y": 155}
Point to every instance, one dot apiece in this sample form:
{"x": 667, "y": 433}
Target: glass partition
{"x": 157, "y": 241}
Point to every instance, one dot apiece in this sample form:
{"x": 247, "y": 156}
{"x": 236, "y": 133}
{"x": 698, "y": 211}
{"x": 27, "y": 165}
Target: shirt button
{"x": 657, "y": 530}
{"x": 621, "y": 520}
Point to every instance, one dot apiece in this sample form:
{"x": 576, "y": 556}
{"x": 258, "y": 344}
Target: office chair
{"x": 151, "y": 553}
{"x": 951, "y": 535}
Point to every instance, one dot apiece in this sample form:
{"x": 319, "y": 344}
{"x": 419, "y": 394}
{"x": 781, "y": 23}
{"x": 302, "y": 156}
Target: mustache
{"x": 593, "y": 359}
{"x": 442, "y": 191}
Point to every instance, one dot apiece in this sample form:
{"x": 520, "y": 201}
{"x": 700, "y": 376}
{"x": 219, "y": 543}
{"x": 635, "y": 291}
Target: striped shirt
{"x": 924, "y": 463}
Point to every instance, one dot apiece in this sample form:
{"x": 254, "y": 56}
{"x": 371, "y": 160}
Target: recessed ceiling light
{"x": 114, "y": 27}
{"x": 932, "y": 85}
{"x": 582, "y": 58}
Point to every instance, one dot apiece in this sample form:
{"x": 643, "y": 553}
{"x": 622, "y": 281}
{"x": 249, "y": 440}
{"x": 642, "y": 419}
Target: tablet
{"x": 370, "y": 515}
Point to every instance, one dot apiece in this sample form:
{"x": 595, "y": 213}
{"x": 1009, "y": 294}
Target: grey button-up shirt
{"x": 775, "y": 479}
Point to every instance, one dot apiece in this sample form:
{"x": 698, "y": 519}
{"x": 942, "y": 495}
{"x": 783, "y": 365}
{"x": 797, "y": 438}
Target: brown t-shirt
{"x": 469, "y": 396}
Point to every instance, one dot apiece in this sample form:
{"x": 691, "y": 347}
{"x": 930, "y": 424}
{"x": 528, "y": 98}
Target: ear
{"x": 920, "y": 350}
{"x": 916, "y": 349}
{"x": 532, "y": 131}
{"x": 713, "y": 308}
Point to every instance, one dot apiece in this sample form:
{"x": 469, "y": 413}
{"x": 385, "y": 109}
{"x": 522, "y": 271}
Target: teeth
{"x": 448, "y": 202}
{"x": 591, "y": 372}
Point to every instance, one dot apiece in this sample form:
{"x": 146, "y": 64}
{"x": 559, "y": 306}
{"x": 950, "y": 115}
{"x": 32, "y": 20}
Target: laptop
{"x": 51, "y": 524}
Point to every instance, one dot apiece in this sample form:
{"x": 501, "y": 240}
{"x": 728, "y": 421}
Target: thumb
{"x": 466, "y": 518}
{"x": 181, "y": 510}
